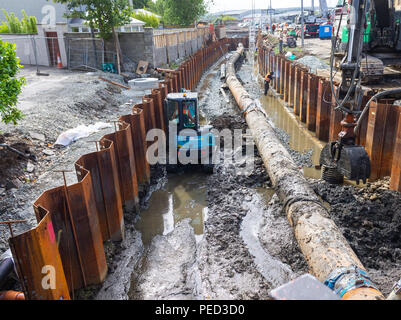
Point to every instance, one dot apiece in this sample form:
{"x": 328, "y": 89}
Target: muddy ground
{"x": 370, "y": 219}
{"x": 238, "y": 257}
{"x": 248, "y": 246}
{"x": 52, "y": 105}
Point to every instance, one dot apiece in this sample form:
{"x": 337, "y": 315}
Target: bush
{"x": 4, "y": 28}
{"x": 10, "y": 85}
{"x": 150, "y": 21}
{"x": 27, "y": 25}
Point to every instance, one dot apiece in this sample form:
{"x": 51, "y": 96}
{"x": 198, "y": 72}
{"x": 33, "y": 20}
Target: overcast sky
{"x": 223, "y": 5}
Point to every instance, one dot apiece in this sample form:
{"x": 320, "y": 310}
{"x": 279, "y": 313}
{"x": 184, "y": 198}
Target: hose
{"x": 358, "y": 62}
{"x": 375, "y": 97}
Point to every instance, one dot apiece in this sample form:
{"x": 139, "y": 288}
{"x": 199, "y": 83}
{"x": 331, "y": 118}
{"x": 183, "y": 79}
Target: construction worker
{"x": 268, "y": 79}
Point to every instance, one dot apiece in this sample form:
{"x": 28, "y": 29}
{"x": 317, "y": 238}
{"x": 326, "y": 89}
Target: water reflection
{"x": 299, "y": 140}
{"x": 184, "y": 196}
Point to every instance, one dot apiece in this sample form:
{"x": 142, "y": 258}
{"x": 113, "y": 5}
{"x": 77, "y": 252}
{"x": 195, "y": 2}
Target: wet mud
{"x": 225, "y": 235}
{"x": 370, "y": 220}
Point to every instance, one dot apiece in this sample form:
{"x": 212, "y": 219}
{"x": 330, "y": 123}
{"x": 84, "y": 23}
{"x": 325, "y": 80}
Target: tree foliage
{"x": 27, "y": 25}
{"x": 102, "y": 14}
{"x": 151, "y": 21}
{"x": 141, "y": 4}
{"x": 10, "y": 85}
{"x": 181, "y": 12}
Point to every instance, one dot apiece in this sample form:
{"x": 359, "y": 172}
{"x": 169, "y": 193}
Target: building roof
{"x": 137, "y": 22}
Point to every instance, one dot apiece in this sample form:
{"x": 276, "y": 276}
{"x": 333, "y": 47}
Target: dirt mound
{"x": 99, "y": 102}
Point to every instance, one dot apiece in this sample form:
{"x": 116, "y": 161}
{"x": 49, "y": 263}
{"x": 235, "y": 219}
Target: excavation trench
{"x": 219, "y": 236}
{"x": 325, "y": 248}
{"x": 204, "y": 236}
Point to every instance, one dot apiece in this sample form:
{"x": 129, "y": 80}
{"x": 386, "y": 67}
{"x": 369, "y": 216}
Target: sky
{"x": 223, "y": 5}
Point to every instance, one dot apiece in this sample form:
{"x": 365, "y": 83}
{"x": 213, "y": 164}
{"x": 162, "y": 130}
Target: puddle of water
{"x": 273, "y": 270}
{"x": 299, "y": 140}
{"x": 184, "y": 196}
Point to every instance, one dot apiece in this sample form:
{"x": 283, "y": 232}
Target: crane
{"x": 373, "y": 30}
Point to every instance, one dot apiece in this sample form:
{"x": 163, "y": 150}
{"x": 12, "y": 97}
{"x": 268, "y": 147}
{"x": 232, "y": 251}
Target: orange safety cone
{"x": 59, "y": 63}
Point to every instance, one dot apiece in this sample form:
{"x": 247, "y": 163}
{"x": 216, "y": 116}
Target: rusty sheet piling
{"x": 321, "y": 242}
{"x": 73, "y": 221}
{"x": 310, "y": 97}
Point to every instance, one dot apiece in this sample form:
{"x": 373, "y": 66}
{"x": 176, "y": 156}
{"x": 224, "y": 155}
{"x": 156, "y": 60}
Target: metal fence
{"x": 86, "y": 53}
{"x": 36, "y": 50}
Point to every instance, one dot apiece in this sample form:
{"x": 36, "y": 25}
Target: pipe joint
{"x": 346, "y": 279}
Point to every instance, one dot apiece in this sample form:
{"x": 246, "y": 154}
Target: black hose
{"x": 354, "y": 75}
{"x": 375, "y": 97}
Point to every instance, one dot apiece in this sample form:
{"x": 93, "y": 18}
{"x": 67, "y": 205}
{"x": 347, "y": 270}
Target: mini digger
{"x": 189, "y": 143}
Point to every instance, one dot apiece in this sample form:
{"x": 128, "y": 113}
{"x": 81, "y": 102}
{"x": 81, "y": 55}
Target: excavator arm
{"x": 343, "y": 158}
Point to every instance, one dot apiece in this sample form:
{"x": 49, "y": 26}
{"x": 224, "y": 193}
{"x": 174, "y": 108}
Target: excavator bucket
{"x": 351, "y": 162}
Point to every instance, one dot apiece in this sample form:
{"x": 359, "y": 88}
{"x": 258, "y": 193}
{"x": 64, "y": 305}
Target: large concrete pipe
{"x": 329, "y": 256}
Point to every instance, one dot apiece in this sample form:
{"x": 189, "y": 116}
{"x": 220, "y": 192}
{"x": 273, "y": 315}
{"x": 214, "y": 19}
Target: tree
{"x": 150, "y": 21}
{"x": 14, "y": 25}
{"x": 10, "y": 85}
{"x": 106, "y": 15}
{"x": 181, "y": 12}
{"x": 140, "y": 4}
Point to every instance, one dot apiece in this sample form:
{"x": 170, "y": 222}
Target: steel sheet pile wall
{"x": 324, "y": 247}
{"x": 311, "y": 99}
{"x": 74, "y": 221}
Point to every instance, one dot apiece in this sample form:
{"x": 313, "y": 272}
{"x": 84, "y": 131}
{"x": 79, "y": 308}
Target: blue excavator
{"x": 189, "y": 143}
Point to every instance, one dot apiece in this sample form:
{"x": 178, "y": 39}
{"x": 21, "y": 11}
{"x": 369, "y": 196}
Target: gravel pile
{"x": 313, "y": 63}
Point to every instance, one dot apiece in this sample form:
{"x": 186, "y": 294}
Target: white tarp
{"x": 82, "y": 131}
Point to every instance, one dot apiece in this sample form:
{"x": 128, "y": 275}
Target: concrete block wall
{"x": 160, "y": 57}
{"x": 157, "y": 49}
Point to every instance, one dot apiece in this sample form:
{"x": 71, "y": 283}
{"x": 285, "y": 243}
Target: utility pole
{"x": 271, "y": 15}
{"x": 302, "y": 24}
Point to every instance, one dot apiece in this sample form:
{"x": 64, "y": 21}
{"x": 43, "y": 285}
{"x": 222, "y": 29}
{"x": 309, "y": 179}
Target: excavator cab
{"x": 187, "y": 138}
